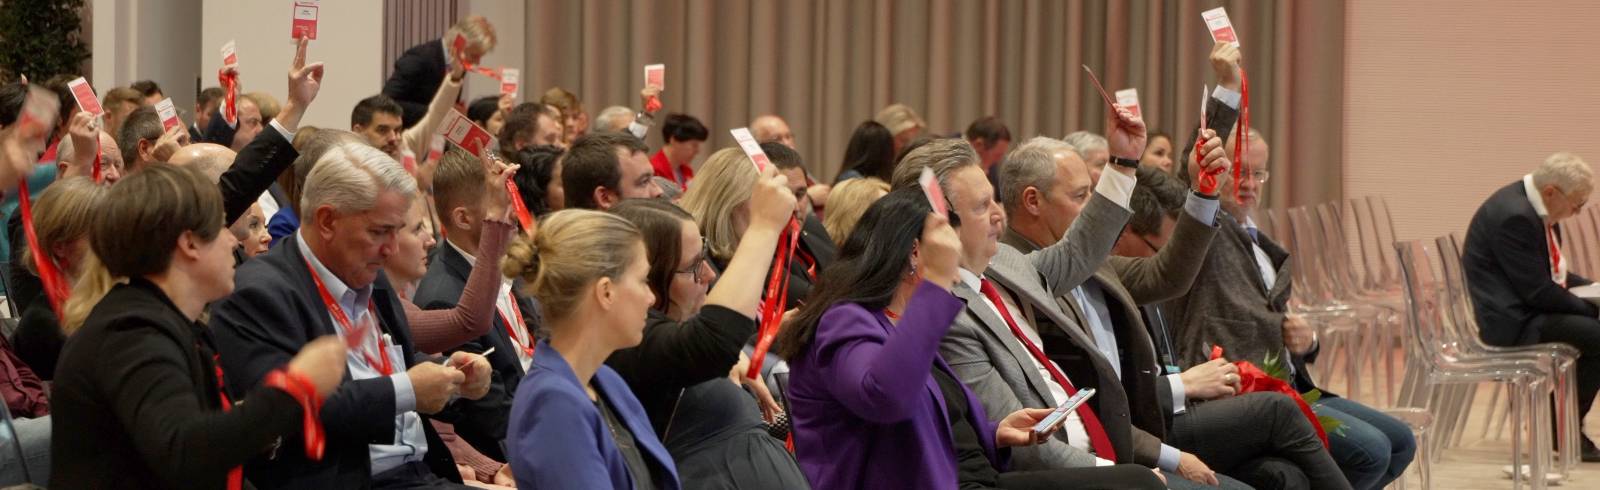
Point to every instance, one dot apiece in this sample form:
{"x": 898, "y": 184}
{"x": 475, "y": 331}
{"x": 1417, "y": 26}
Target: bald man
{"x": 111, "y": 164}
{"x": 771, "y": 128}
{"x": 211, "y": 158}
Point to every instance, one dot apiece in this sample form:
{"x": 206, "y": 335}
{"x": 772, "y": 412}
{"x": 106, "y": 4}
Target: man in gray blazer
{"x": 1044, "y": 187}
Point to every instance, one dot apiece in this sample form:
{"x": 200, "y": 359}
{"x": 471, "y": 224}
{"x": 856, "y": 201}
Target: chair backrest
{"x": 1311, "y": 283}
{"x": 1336, "y": 250}
{"x": 1463, "y": 326}
{"x": 1425, "y": 302}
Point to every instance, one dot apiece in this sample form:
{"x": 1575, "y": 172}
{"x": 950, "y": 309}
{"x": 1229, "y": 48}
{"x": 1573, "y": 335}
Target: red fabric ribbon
{"x": 230, "y": 86}
{"x": 652, "y": 105}
{"x": 520, "y": 207}
{"x": 1241, "y": 132}
{"x": 97, "y": 177}
{"x": 299, "y": 387}
{"x": 55, "y": 285}
{"x": 777, "y": 295}
{"x": 1252, "y": 379}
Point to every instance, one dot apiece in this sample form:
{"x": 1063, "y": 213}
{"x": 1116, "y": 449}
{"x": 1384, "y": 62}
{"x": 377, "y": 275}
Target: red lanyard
{"x": 236, "y": 474}
{"x": 520, "y": 207}
{"x": 1242, "y": 133}
{"x": 513, "y": 326}
{"x": 55, "y": 285}
{"x": 230, "y": 87}
{"x": 351, "y": 333}
{"x": 1555, "y": 256}
{"x": 96, "y": 175}
{"x": 777, "y": 295}
{"x": 305, "y": 393}
{"x": 811, "y": 262}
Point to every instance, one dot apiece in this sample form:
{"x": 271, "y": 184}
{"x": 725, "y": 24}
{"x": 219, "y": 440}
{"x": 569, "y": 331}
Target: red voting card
{"x": 1221, "y": 28}
{"x": 461, "y": 131}
{"x": 168, "y": 113}
{"x": 655, "y": 76}
{"x": 85, "y": 96}
{"x": 509, "y": 78}
{"x": 305, "y": 20}
{"x": 930, "y": 188}
{"x": 1129, "y": 98}
{"x": 229, "y": 56}
{"x": 751, "y": 148}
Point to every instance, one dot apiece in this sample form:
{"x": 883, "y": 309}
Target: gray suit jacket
{"x": 982, "y": 351}
{"x": 1132, "y": 281}
{"x": 1230, "y": 305}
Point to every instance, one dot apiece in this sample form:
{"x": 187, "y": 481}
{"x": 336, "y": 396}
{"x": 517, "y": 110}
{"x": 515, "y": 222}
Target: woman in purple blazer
{"x": 873, "y": 405}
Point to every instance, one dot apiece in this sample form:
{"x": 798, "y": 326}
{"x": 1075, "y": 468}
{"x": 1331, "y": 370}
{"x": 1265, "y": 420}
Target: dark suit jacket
{"x": 481, "y": 422}
{"x": 815, "y": 241}
{"x": 415, "y": 78}
{"x": 136, "y": 402}
{"x": 1507, "y": 264}
{"x": 273, "y": 312}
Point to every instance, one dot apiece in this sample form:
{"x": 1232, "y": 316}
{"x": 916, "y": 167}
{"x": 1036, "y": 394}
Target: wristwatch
{"x": 1132, "y": 163}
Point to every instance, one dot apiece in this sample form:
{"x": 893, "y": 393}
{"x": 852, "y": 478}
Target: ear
{"x": 460, "y": 218}
{"x": 604, "y": 293}
{"x": 188, "y": 246}
{"x": 322, "y": 221}
{"x": 1032, "y": 200}
{"x": 604, "y": 197}
{"x": 144, "y": 149}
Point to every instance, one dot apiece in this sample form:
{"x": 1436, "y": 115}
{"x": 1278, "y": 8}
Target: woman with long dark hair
{"x": 870, "y": 153}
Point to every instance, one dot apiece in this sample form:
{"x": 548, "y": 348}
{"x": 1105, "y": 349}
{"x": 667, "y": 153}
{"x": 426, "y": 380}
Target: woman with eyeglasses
{"x": 681, "y": 371}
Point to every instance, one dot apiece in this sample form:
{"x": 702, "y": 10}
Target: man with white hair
{"x": 330, "y": 280}
{"x": 1519, "y": 275}
{"x": 1092, "y": 147}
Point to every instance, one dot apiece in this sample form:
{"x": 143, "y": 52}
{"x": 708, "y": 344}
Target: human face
{"x": 1159, "y": 154}
{"x": 692, "y": 274}
{"x": 574, "y": 122}
{"x": 1068, "y": 194}
{"x": 1255, "y": 163}
{"x": 906, "y": 137}
{"x": 382, "y": 133}
{"x": 202, "y": 114}
{"x": 797, "y": 184}
{"x": 410, "y": 259}
{"x": 1097, "y": 160}
{"x": 360, "y": 243}
{"x": 249, "y": 123}
{"x": 630, "y": 300}
{"x": 118, "y": 113}
{"x": 775, "y": 130}
{"x": 1562, "y": 205}
{"x": 251, "y": 232}
{"x": 547, "y": 131}
{"x": 991, "y": 154}
{"x": 555, "y": 195}
{"x": 636, "y": 175}
{"x": 213, "y": 268}
{"x": 682, "y": 152}
{"x": 972, "y": 198}
{"x": 111, "y": 165}
{"x": 496, "y": 121}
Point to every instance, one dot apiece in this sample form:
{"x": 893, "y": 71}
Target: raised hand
{"x": 771, "y": 201}
{"x": 1225, "y": 64}
{"x": 323, "y": 362}
{"x": 1212, "y": 159}
{"x": 174, "y": 138}
{"x": 650, "y": 99}
{"x": 939, "y": 251}
{"x": 1126, "y": 136}
{"x": 305, "y": 80}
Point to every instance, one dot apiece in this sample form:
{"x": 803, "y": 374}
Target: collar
{"x": 444, "y": 42}
{"x": 1250, "y": 223}
{"x": 1534, "y": 198}
{"x": 472, "y": 261}
{"x": 349, "y": 299}
{"x": 970, "y": 279}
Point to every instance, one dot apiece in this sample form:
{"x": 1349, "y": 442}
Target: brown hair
{"x": 573, "y": 249}
{"x": 662, "y": 224}
{"x": 121, "y": 94}
{"x": 458, "y": 181}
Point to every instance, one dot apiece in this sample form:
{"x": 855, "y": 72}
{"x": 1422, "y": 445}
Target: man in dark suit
{"x": 205, "y": 106}
{"x": 460, "y": 188}
{"x": 420, "y": 70}
{"x": 816, "y": 248}
{"x": 330, "y": 281}
{"x": 1518, "y": 274}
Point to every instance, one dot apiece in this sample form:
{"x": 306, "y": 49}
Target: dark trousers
{"x": 1101, "y": 477}
{"x": 414, "y": 475}
{"x": 1583, "y": 333}
{"x": 1233, "y": 435}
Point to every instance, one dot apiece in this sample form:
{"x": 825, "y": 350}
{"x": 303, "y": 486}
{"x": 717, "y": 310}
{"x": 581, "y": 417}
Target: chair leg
{"x": 1494, "y": 408}
{"x": 1517, "y": 402}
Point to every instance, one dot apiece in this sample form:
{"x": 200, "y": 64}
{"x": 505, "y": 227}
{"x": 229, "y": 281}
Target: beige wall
{"x": 1447, "y": 100}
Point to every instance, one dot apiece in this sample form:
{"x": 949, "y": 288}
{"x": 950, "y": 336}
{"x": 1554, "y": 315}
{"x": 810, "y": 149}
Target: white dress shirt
{"x": 518, "y": 328}
{"x": 1559, "y": 273}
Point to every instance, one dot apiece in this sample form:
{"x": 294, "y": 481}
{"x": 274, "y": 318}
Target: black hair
{"x": 538, "y": 165}
{"x": 142, "y": 124}
{"x": 870, "y": 151}
{"x": 482, "y": 109}
{"x": 782, "y": 156}
{"x": 868, "y": 270}
{"x": 146, "y": 87}
{"x": 523, "y": 119}
{"x": 989, "y": 129}
{"x": 209, "y": 95}
{"x": 12, "y": 96}
{"x": 683, "y": 127}
{"x": 362, "y": 114}
{"x": 592, "y": 163}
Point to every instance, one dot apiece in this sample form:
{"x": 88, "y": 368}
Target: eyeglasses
{"x": 1260, "y": 176}
{"x": 697, "y": 269}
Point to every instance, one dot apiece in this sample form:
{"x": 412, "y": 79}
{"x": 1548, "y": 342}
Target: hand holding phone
{"x": 1059, "y": 415}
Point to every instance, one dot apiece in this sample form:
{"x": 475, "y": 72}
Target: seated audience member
{"x": 266, "y": 103}
{"x": 330, "y": 280}
{"x": 720, "y": 201}
{"x": 529, "y": 124}
{"x": 1372, "y": 449}
{"x": 770, "y": 128}
{"x": 137, "y": 400}
{"x": 614, "y": 119}
{"x": 850, "y": 199}
{"x": 1093, "y": 149}
{"x": 575, "y": 423}
{"x": 248, "y": 123}
{"x": 144, "y": 142}
{"x": 149, "y": 90}
{"x": 1046, "y": 185}
{"x": 602, "y": 169}
{"x": 816, "y": 249}
{"x": 1158, "y": 152}
{"x": 205, "y": 105}
{"x": 23, "y": 286}
{"x": 418, "y": 73}
{"x": 468, "y": 195}
{"x": 681, "y": 136}
{"x": 717, "y": 433}
{"x": 251, "y": 232}
{"x": 864, "y": 355}
{"x": 490, "y": 111}
{"x": 28, "y": 402}
{"x": 902, "y": 122}
{"x": 574, "y": 121}
{"x": 870, "y": 153}
{"x": 62, "y": 218}
{"x": 310, "y": 143}
{"x": 117, "y": 103}
{"x": 1518, "y": 273}
{"x": 377, "y": 118}
{"x": 538, "y": 178}
{"x": 990, "y": 137}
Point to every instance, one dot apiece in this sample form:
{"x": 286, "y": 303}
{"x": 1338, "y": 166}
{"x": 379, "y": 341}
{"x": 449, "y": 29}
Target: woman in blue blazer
{"x": 574, "y": 422}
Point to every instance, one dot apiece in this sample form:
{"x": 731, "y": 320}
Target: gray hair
{"x": 1031, "y": 165}
{"x": 1086, "y": 142}
{"x": 614, "y": 118}
{"x": 945, "y": 156}
{"x": 349, "y": 177}
{"x": 1565, "y": 170}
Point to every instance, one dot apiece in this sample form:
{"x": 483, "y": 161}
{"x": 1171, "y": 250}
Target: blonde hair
{"x": 266, "y": 103}
{"x": 478, "y": 31}
{"x": 573, "y": 249}
{"x": 848, "y": 201}
{"x": 64, "y": 213}
{"x": 898, "y": 118}
{"x": 561, "y": 99}
{"x": 88, "y": 288}
{"x": 722, "y": 184}
{"x": 1565, "y": 170}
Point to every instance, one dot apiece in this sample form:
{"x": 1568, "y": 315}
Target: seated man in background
{"x": 420, "y": 70}
{"x": 1518, "y": 274}
{"x": 602, "y": 169}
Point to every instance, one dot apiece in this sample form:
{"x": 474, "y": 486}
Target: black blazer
{"x": 482, "y": 422}
{"x": 416, "y": 78}
{"x": 815, "y": 241}
{"x": 136, "y": 402}
{"x": 273, "y": 312}
{"x": 1506, "y": 260}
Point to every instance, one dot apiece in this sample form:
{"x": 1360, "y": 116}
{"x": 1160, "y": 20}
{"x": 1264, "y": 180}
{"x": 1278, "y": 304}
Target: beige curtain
{"x": 827, "y": 65}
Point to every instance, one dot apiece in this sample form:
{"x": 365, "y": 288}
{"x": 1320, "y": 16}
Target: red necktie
{"x": 1091, "y": 424}
{"x": 1555, "y": 255}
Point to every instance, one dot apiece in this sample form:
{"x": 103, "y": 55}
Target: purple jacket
{"x": 867, "y": 412}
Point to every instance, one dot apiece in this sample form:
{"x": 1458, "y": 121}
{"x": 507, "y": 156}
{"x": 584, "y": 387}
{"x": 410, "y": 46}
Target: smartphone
{"x": 1059, "y": 415}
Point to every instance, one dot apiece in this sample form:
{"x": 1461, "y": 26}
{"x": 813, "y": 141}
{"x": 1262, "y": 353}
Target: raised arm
{"x": 473, "y": 315}
{"x": 881, "y": 377}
